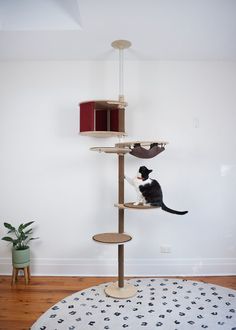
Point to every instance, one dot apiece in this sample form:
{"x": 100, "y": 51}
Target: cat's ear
{"x": 149, "y": 171}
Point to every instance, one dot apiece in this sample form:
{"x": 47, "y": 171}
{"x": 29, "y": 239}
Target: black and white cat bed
{"x": 170, "y": 304}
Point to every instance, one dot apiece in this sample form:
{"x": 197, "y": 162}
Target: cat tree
{"x": 106, "y": 118}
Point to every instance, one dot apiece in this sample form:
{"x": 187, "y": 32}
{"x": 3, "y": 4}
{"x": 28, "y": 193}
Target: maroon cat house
{"x": 102, "y": 118}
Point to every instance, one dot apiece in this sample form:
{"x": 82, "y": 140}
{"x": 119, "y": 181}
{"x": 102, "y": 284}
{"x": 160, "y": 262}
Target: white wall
{"x": 48, "y": 174}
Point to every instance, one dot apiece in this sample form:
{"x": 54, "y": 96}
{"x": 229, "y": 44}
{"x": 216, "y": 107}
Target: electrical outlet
{"x": 165, "y": 249}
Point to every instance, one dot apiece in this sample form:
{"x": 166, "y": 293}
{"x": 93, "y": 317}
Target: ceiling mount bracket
{"x": 121, "y": 44}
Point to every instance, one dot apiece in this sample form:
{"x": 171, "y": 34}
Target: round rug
{"x": 161, "y": 303}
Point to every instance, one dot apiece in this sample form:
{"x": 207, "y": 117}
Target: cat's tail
{"x": 167, "y": 209}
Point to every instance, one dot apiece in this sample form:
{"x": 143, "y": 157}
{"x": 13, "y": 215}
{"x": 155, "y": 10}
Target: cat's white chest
{"x": 138, "y": 182}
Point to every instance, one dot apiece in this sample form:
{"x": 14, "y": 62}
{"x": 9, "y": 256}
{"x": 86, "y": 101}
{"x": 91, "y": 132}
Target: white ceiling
{"x": 84, "y": 29}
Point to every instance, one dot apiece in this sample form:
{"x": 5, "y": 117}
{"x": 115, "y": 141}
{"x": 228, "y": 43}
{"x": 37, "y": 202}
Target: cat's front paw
{"x": 136, "y": 203}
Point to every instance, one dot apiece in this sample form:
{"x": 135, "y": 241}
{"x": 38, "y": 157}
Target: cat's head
{"x": 143, "y": 173}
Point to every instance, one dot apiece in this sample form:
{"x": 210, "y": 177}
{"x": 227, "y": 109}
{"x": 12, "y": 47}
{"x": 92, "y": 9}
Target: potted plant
{"x": 20, "y": 240}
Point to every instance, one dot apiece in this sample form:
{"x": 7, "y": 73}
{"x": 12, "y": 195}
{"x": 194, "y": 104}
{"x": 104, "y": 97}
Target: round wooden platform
{"x": 137, "y": 207}
{"x": 107, "y": 104}
{"x": 112, "y": 238}
{"x": 103, "y": 134}
{"x": 114, "y": 291}
{"x": 111, "y": 150}
{"x": 140, "y": 206}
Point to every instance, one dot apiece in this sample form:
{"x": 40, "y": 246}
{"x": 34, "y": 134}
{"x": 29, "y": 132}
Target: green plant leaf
{"x": 29, "y": 231}
{"x": 27, "y": 224}
{"x": 8, "y": 239}
{"x": 8, "y": 226}
{"x": 21, "y": 227}
{"x": 31, "y": 239}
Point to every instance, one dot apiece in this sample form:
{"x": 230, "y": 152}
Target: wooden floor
{"x": 21, "y": 305}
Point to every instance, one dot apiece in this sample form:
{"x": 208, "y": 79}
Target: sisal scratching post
{"x": 121, "y": 290}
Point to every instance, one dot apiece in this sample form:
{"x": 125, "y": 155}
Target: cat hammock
{"x": 106, "y": 119}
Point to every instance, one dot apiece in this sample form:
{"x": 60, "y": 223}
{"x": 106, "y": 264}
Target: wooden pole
{"x": 121, "y": 160}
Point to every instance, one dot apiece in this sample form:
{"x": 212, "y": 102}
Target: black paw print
{"x": 159, "y": 324}
{"x": 72, "y": 313}
{"x": 125, "y": 325}
{"x": 71, "y": 306}
{"x": 60, "y": 321}
{"x": 55, "y": 308}
{"x": 91, "y": 323}
{"x": 144, "y": 324}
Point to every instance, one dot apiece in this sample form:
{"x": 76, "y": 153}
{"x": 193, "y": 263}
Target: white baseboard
{"x": 133, "y": 267}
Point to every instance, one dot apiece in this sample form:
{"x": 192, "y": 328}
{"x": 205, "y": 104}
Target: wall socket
{"x": 165, "y": 249}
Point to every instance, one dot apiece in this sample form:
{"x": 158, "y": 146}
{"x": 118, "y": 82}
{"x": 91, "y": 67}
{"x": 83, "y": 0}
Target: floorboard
{"x": 21, "y": 305}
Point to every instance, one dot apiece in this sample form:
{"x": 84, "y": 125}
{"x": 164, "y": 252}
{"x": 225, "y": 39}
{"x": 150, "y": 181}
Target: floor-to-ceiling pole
{"x": 121, "y": 160}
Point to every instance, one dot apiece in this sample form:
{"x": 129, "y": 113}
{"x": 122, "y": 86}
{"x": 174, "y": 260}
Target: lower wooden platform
{"x": 22, "y": 304}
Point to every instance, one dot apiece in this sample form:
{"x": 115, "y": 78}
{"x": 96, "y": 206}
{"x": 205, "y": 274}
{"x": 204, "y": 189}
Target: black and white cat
{"x": 149, "y": 191}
